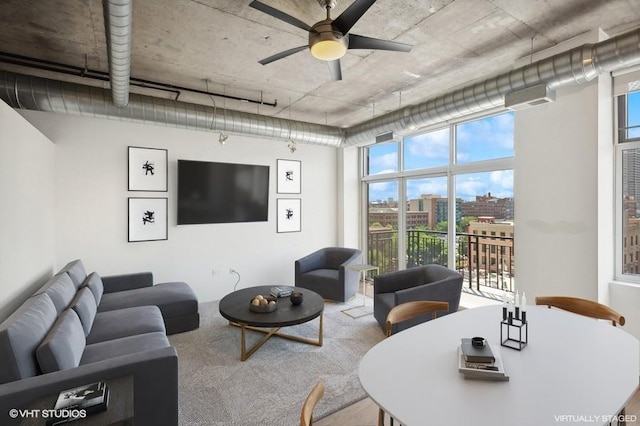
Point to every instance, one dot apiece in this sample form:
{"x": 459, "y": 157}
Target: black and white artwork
{"x": 289, "y": 177}
{"x": 147, "y": 219}
{"x": 147, "y": 169}
{"x": 289, "y": 214}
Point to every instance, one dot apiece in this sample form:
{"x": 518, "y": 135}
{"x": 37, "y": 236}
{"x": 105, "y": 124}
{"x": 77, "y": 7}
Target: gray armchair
{"x": 325, "y": 272}
{"x": 429, "y": 282}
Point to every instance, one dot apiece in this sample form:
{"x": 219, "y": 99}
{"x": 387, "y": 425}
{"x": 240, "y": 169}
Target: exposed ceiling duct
{"x": 41, "y": 94}
{"x": 118, "y": 17}
{"x": 575, "y": 66}
{"x": 529, "y": 96}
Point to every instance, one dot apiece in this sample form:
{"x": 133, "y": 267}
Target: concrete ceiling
{"x": 189, "y": 42}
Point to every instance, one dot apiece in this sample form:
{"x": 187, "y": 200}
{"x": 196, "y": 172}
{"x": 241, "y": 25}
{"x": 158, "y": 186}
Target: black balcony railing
{"x": 482, "y": 260}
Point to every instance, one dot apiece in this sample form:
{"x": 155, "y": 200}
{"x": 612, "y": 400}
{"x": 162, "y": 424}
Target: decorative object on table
{"x": 296, "y": 298}
{"x": 147, "y": 169}
{"x": 289, "y": 177}
{"x": 147, "y": 219}
{"x": 289, "y": 214}
{"x": 514, "y": 328}
{"x": 480, "y": 362}
{"x": 91, "y": 398}
{"x": 281, "y": 291}
{"x": 477, "y": 350}
{"x": 263, "y": 304}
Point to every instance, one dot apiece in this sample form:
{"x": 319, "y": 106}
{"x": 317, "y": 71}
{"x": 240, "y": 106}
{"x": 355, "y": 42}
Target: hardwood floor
{"x": 365, "y": 413}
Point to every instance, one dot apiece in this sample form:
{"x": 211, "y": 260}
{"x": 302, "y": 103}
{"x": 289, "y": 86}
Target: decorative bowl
{"x": 269, "y": 307}
{"x": 296, "y": 298}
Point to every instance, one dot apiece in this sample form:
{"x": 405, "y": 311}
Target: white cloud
{"x": 434, "y": 145}
{"x": 490, "y": 137}
{"x": 416, "y": 188}
{"x": 470, "y": 186}
{"x": 498, "y": 183}
{"x": 385, "y": 163}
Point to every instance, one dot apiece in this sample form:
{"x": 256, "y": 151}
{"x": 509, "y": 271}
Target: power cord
{"x": 233, "y": 271}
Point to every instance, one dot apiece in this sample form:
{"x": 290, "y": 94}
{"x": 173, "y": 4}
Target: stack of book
{"x": 482, "y": 362}
{"x": 77, "y": 403}
{"x": 281, "y": 291}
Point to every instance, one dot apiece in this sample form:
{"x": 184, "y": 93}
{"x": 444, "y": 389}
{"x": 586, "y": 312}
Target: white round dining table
{"x": 574, "y": 370}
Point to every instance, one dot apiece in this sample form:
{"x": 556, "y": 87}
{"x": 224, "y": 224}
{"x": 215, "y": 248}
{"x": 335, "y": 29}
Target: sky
{"x": 487, "y": 138}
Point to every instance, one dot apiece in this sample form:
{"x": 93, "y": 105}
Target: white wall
{"x": 556, "y": 200}
{"x": 91, "y": 211}
{"x": 27, "y": 209}
{"x": 349, "y": 201}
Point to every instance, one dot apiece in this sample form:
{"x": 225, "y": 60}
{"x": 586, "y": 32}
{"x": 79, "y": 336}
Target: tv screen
{"x": 222, "y": 192}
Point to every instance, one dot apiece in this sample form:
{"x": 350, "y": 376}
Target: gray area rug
{"x": 217, "y": 389}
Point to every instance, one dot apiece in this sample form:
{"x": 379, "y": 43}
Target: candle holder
{"x": 514, "y": 331}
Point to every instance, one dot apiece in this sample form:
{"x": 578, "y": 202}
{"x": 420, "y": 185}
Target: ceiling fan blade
{"x": 350, "y": 16}
{"x": 279, "y": 15}
{"x": 335, "y": 69}
{"x": 362, "y": 42}
{"x": 281, "y": 55}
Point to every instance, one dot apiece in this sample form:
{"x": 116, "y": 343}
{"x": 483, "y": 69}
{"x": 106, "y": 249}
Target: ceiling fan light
{"x": 328, "y": 50}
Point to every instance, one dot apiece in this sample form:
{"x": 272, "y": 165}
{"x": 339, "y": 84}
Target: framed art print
{"x": 147, "y": 169}
{"x": 147, "y": 219}
{"x": 289, "y": 214}
{"x": 289, "y": 176}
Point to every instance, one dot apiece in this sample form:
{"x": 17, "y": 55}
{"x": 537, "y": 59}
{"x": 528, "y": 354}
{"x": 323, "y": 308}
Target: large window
{"x": 445, "y": 196}
{"x": 628, "y": 165}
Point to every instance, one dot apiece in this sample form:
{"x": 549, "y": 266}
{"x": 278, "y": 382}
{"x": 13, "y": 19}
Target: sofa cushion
{"x": 326, "y": 276}
{"x": 76, "y": 271}
{"x": 63, "y": 346}
{"x": 94, "y": 282}
{"x": 124, "y": 346}
{"x": 173, "y": 299}
{"x": 126, "y": 322}
{"x": 60, "y": 289}
{"x": 20, "y": 335}
{"x": 84, "y": 305}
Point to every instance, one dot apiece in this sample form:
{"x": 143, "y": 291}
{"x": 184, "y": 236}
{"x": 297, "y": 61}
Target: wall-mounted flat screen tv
{"x": 211, "y": 192}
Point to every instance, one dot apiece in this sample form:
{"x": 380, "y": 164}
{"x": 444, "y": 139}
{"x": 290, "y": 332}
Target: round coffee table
{"x": 235, "y": 308}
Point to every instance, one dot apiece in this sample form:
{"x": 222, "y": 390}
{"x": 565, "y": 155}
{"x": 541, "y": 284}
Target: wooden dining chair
{"x": 404, "y": 312}
{"x": 409, "y": 310}
{"x": 584, "y": 307}
{"x": 306, "y": 416}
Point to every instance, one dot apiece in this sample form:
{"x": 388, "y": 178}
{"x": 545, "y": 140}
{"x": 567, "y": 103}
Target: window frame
{"x": 622, "y": 144}
{"x": 450, "y": 170}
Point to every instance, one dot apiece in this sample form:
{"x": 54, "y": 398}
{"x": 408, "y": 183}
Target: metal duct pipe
{"x": 575, "y": 66}
{"x": 117, "y": 19}
{"x": 41, "y": 94}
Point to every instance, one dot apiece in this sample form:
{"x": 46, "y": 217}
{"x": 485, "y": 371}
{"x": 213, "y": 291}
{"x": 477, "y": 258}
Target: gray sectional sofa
{"x": 79, "y": 329}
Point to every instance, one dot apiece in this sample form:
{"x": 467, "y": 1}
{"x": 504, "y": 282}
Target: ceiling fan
{"x": 329, "y": 39}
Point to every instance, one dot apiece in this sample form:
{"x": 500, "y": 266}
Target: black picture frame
{"x": 148, "y": 219}
{"x": 147, "y": 169}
